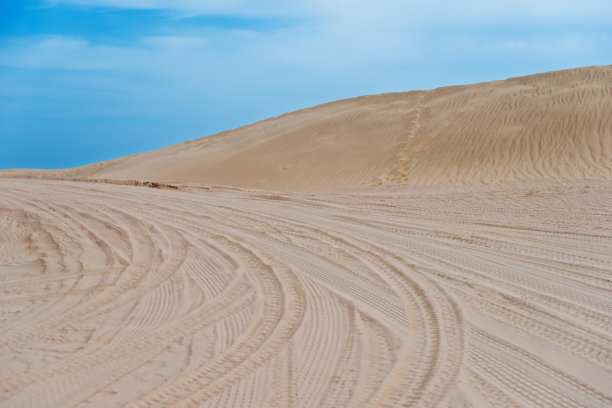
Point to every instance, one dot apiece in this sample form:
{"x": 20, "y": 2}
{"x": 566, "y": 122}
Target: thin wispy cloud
{"x": 466, "y": 12}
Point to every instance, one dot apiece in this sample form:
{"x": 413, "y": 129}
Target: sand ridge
{"x": 548, "y": 126}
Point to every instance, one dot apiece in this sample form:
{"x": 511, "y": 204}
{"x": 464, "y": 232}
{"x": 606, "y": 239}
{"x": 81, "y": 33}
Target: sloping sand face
{"x": 115, "y": 295}
{"x": 553, "y": 126}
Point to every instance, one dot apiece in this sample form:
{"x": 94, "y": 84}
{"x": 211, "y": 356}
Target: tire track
{"x": 228, "y": 297}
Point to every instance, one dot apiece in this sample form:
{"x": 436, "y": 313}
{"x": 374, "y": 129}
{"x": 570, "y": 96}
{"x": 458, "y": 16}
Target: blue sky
{"x": 89, "y": 80}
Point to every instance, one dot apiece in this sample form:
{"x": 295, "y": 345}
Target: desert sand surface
{"x": 445, "y": 248}
{"x": 552, "y": 126}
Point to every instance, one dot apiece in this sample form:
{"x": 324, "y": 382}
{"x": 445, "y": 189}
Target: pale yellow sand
{"x": 472, "y": 267}
{"x": 549, "y": 126}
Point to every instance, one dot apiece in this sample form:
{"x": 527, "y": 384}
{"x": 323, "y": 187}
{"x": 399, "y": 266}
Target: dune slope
{"x": 551, "y": 126}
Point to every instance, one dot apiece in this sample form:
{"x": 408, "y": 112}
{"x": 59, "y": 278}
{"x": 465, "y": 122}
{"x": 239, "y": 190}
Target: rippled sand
{"x": 489, "y": 291}
{"x": 118, "y": 294}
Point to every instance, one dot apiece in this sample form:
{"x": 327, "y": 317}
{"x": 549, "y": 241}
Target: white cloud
{"x": 195, "y": 7}
{"x": 341, "y": 33}
{"x": 176, "y": 42}
{"x": 58, "y": 52}
{"x": 409, "y": 12}
{"x": 352, "y": 47}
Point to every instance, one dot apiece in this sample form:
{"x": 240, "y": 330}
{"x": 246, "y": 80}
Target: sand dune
{"x": 549, "y": 126}
{"x": 465, "y": 260}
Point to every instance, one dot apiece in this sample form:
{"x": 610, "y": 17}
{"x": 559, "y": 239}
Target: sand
{"x": 447, "y": 248}
{"x": 552, "y": 126}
